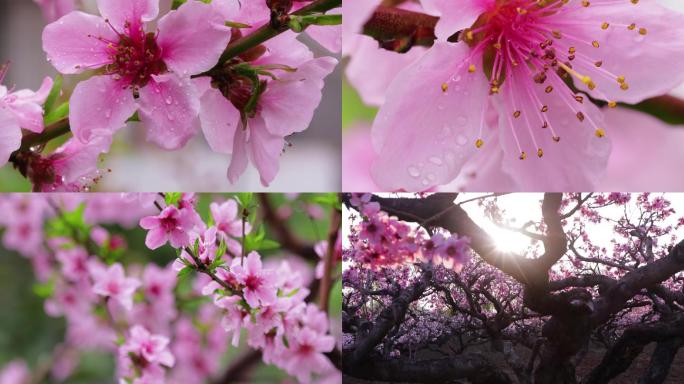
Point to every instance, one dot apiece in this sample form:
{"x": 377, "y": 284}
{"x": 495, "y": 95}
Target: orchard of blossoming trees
{"x": 172, "y": 288}
{"x": 595, "y": 296}
{"x": 232, "y": 69}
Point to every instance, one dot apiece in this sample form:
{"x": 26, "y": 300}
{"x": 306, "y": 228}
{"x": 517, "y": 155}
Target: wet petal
{"x": 424, "y": 135}
{"x": 78, "y": 41}
{"x": 650, "y": 62}
{"x": 452, "y": 17}
{"x": 168, "y": 108}
{"x": 289, "y": 103}
{"x": 28, "y": 106}
{"x": 239, "y": 160}
{"x": 99, "y": 106}
{"x": 192, "y": 38}
{"x": 264, "y": 150}
{"x": 219, "y": 120}
{"x": 10, "y": 135}
{"x": 118, "y": 12}
{"x": 576, "y": 162}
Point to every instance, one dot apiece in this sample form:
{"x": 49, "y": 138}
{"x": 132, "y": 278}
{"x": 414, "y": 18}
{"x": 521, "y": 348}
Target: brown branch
{"x": 284, "y": 236}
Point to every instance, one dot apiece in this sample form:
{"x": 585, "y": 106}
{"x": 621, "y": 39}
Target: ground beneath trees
{"x": 592, "y": 359}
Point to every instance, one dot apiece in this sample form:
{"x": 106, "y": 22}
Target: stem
{"x": 52, "y": 131}
{"x": 267, "y": 31}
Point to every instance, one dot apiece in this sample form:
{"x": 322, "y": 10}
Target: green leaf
{"x": 57, "y": 114}
{"x": 244, "y": 198}
{"x": 171, "y": 198}
{"x": 329, "y": 199}
{"x": 184, "y": 272}
{"x": 268, "y": 245}
{"x": 55, "y": 92}
{"x": 335, "y": 300}
{"x": 44, "y": 290}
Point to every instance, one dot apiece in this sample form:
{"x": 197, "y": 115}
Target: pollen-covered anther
{"x": 523, "y": 155}
{"x": 445, "y": 87}
{"x": 605, "y": 25}
{"x": 600, "y": 133}
{"x": 585, "y": 3}
{"x": 540, "y": 153}
{"x": 595, "y": 44}
{"x": 612, "y": 104}
{"x": 549, "y": 89}
{"x": 479, "y": 143}
{"x": 516, "y": 114}
{"x": 643, "y": 31}
{"x": 631, "y": 27}
{"x": 471, "y": 68}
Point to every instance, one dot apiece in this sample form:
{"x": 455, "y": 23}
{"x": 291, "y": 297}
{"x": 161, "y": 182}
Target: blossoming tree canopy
{"x": 234, "y": 70}
{"x": 557, "y": 288}
{"x": 175, "y": 287}
{"x": 505, "y": 90}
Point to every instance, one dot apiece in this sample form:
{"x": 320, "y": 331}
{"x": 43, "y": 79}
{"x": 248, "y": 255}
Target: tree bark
{"x": 474, "y": 367}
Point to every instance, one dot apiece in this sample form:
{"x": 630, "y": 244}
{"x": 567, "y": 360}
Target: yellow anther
{"x": 621, "y": 79}
{"x": 600, "y": 133}
{"x": 545, "y": 108}
{"x": 523, "y": 155}
{"x": 548, "y": 89}
{"x": 540, "y": 153}
{"x": 595, "y": 44}
{"x": 624, "y": 86}
{"x": 496, "y": 45}
{"x": 572, "y": 50}
{"x": 556, "y": 34}
{"x": 471, "y": 68}
{"x": 643, "y": 31}
{"x": 516, "y": 114}
{"x": 631, "y": 27}
{"x": 445, "y": 87}
{"x": 479, "y": 143}
{"x": 612, "y": 104}
{"x": 605, "y": 25}
{"x": 585, "y": 3}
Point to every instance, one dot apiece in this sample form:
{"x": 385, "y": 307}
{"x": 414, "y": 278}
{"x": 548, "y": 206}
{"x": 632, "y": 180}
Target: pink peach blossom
{"x": 147, "y": 72}
{"x": 19, "y": 109}
{"x": 171, "y": 225}
{"x": 258, "y": 284}
{"x": 111, "y": 282}
{"x": 542, "y": 135}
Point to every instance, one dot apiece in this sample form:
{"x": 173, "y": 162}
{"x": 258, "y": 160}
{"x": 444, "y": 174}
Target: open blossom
{"x": 250, "y": 120}
{"x": 496, "y": 103}
{"x": 144, "y": 71}
{"x": 306, "y": 353}
{"x": 111, "y": 282}
{"x": 15, "y": 372}
{"x": 19, "y": 109}
{"x": 171, "y": 225}
{"x": 73, "y": 167}
{"x": 142, "y": 356}
{"x": 258, "y": 284}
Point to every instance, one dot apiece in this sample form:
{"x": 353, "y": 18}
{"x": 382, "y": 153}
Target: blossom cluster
{"x": 383, "y": 240}
{"x": 138, "y": 312}
{"x": 488, "y": 106}
{"x": 171, "y": 74}
{"x": 268, "y": 302}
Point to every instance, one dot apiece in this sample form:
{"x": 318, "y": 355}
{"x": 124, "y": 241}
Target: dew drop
{"x": 436, "y": 160}
{"x": 413, "y": 171}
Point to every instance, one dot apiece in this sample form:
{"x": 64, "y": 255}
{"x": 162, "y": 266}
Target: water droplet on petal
{"x": 413, "y": 171}
{"x": 436, "y": 160}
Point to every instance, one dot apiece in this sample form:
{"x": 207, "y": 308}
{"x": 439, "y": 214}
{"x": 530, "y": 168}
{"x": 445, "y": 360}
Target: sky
{"x": 524, "y": 207}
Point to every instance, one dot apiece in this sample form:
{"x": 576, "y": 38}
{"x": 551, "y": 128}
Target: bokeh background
{"x": 28, "y": 333}
{"x": 311, "y": 164}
